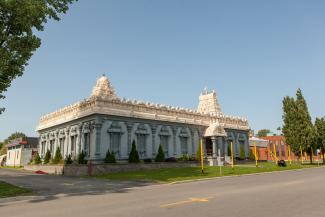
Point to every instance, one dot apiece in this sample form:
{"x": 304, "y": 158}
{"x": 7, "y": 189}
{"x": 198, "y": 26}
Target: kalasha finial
{"x": 205, "y": 91}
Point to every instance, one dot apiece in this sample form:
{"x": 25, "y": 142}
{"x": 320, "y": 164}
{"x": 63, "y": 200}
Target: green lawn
{"x": 8, "y": 190}
{"x": 192, "y": 173}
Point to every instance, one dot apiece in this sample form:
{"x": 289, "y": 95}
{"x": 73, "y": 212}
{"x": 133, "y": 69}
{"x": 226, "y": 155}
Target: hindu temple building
{"x": 105, "y": 121}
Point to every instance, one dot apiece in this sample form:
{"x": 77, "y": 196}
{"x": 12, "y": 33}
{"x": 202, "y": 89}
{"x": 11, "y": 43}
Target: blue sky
{"x": 252, "y": 52}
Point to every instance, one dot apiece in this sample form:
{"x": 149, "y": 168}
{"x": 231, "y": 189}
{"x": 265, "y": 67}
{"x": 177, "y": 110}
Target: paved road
{"x": 292, "y": 193}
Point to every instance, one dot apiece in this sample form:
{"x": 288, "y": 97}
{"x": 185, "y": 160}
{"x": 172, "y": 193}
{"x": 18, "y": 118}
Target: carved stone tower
{"x": 103, "y": 89}
{"x": 208, "y": 103}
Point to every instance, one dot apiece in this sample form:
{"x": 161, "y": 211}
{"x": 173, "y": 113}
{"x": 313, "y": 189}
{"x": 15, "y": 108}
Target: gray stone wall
{"x": 49, "y": 169}
{"x": 98, "y": 169}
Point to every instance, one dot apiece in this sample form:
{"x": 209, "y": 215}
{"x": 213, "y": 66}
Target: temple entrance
{"x": 208, "y": 146}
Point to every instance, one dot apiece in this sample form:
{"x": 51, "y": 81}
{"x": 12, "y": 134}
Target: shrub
{"x": 47, "y": 157}
{"x": 161, "y": 155}
{"x": 251, "y": 155}
{"x": 134, "y": 155}
{"x": 242, "y": 153}
{"x": 68, "y": 160}
{"x": 171, "y": 160}
{"x": 81, "y": 158}
{"x": 147, "y": 160}
{"x": 57, "y": 157}
{"x": 37, "y": 159}
{"x": 110, "y": 157}
{"x": 185, "y": 158}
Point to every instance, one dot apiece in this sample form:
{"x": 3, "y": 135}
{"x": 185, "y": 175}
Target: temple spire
{"x": 103, "y": 89}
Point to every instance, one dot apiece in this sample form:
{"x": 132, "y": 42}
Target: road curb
{"x": 233, "y": 176}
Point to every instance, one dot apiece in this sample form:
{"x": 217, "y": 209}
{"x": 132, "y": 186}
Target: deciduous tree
{"x": 320, "y": 135}
{"x": 19, "y": 20}
{"x": 298, "y": 128}
{"x": 13, "y": 136}
{"x": 263, "y": 132}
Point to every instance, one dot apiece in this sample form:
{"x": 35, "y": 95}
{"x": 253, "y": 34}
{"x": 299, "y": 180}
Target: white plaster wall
{"x": 14, "y": 161}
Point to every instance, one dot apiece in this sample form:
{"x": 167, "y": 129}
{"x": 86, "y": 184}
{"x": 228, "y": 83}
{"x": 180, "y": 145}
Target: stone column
{"x": 174, "y": 128}
{"x": 66, "y": 142}
{"x": 214, "y": 147}
{"x": 220, "y": 143}
{"x": 79, "y": 133}
{"x": 192, "y": 135}
{"x": 129, "y": 127}
{"x": 153, "y": 131}
{"x": 47, "y": 144}
{"x": 56, "y": 143}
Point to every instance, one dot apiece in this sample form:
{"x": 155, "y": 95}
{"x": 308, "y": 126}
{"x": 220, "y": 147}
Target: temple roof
{"x": 103, "y": 100}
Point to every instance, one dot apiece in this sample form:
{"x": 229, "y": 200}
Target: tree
{"x": 57, "y": 157}
{"x": 37, "y": 159}
{"x": 134, "y": 155}
{"x": 47, "y": 157}
{"x": 298, "y": 128}
{"x": 110, "y": 157}
{"x": 263, "y": 133}
{"x": 82, "y": 158}
{"x": 320, "y": 135}
{"x": 18, "y": 22}
{"x": 161, "y": 155}
{"x": 13, "y": 136}
{"x": 68, "y": 159}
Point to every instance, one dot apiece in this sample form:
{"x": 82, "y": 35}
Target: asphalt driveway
{"x": 48, "y": 186}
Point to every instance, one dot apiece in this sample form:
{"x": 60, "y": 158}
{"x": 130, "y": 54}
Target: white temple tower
{"x": 208, "y": 103}
{"x": 103, "y": 89}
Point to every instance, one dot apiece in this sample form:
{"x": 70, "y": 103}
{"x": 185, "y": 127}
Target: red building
{"x": 261, "y": 148}
{"x": 278, "y": 145}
